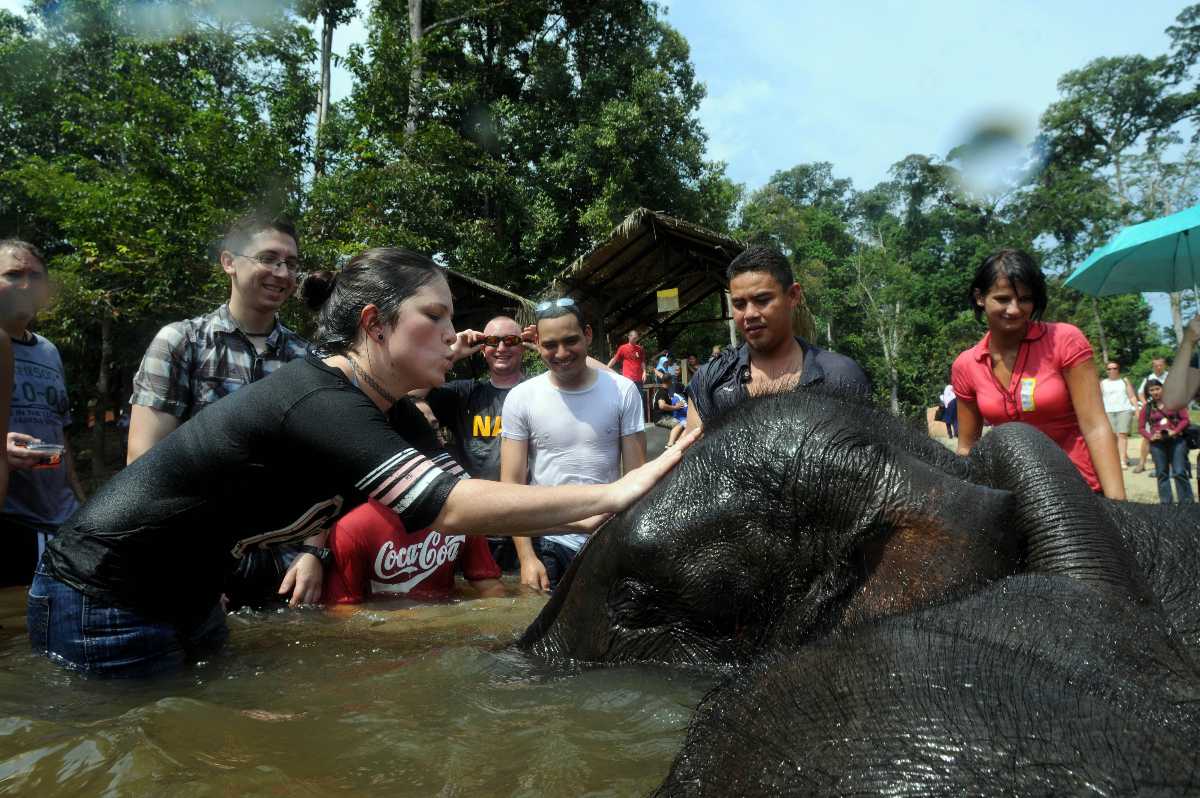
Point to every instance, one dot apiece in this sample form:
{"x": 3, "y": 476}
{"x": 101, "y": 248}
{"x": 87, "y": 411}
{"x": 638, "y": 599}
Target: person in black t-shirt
{"x": 130, "y": 584}
{"x": 471, "y": 409}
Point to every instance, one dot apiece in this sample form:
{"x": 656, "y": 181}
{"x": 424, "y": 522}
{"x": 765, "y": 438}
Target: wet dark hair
{"x": 248, "y": 225}
{"x": 383, "y": 277}
{"x": 10, "y": 244}
{"x": 1017, "y": 266}
{"x": 759, "y": 258}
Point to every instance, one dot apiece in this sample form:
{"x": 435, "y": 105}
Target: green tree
{"x": 160, "y": 130}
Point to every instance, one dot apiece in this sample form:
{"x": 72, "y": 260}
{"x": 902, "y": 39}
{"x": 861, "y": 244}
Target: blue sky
{"x": 862, "y": 84}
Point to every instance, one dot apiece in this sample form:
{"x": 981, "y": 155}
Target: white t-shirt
{"x": 1116, "y": 395}
{"x": 574, "y": 436}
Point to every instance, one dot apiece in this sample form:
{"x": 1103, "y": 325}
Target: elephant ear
{"x": 947, "y": 537}
{"x": 1065, "y": 528}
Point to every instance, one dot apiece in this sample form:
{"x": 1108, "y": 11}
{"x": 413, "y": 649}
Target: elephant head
{"x": 796, "y": 514}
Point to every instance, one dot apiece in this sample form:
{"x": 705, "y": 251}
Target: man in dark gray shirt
{"x": 764, "y": 295}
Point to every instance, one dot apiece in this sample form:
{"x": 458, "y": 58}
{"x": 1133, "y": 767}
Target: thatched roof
{"x": 617, "y": 282}
{"x": 476, "y": 302}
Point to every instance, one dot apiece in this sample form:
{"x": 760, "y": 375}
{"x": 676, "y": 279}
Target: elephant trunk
{"x": 1066, "y": 531}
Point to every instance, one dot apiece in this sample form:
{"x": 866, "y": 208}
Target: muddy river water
{"x": 421, "y": 701}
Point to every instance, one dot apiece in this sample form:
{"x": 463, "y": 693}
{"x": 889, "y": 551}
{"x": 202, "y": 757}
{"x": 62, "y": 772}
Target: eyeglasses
{"x": 496, "y": 340}
{"x": 542, "y": 307}
{"x": 270, "y": 260}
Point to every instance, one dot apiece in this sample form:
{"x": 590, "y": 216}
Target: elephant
{"x": 892, "y": 617}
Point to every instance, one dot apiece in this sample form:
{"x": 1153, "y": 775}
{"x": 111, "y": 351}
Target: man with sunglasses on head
{"x": 191, "y": 364}
{"x": 578, "y": 424}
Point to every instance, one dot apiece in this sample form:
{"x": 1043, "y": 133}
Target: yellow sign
{"x": 668, "y": 300}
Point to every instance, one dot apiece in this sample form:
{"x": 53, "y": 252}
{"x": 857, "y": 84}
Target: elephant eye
{"x": 634, "y": 604}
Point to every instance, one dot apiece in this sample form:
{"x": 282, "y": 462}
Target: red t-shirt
{"x": 633, "y": 361}
{"x": 1038, "y": 392}
{"x": 374, "y": 556}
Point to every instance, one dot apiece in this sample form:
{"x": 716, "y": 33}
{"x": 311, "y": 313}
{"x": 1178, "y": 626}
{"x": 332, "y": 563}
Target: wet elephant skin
{"x": 893, "y": 618}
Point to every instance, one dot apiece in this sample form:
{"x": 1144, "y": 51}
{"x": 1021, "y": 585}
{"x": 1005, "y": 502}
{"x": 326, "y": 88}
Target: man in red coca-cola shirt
{"x": 375, "y": 557}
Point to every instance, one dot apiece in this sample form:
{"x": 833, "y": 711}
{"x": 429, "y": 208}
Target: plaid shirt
{"x": 191, "y": 364}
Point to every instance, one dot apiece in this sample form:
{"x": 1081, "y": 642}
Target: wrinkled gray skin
{"x": 897, "y": 619}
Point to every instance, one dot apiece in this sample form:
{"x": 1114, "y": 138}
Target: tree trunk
{"x": 1100, "y": 330}
{"x": 99, "y": 467}
{"x": 415, "y": 73}
{"x": 1177, "y": 313}
{"x": 829, "y": 333}
{"x": 323, "y": 96}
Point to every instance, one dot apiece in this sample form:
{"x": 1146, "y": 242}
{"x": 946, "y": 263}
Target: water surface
{"x": 426, "y": 700}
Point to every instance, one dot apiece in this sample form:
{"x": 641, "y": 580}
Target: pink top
{"x": 1038, "y": 392}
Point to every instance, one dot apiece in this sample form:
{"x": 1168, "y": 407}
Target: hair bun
{"x": 316, "y": 288}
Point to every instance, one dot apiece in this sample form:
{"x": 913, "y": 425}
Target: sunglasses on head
{"x": 496, "y": 340}
{"x": 542, "y": 307}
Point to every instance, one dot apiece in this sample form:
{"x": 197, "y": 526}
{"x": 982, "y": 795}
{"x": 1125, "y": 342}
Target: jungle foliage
{"x": 510, "y": 136}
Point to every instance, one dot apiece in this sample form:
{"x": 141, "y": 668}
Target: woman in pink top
{"x": 1040, "y": 373}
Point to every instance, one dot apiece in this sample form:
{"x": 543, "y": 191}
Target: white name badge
{"x": 1027, "y": 386}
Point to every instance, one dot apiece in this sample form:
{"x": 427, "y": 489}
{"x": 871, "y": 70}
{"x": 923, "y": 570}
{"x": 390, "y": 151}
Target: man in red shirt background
{"x": 632, "y": 359}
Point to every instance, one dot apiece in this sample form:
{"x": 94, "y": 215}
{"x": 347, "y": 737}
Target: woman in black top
{"x": 131, "y": 583}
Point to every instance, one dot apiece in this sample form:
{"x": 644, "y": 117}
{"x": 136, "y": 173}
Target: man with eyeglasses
{"x": 191, "y": 364}
{"x": 579, "y": 423}
{"x": 43, "y": 489}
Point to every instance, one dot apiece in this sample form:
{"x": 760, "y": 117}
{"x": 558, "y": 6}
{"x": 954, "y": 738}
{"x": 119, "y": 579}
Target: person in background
{"x": 679, "y": 408}
{"x": 950, "y": 414}
{"x": 1041, "y": 373}
{"x": 573, "y": 425}
{"x": 1163, "y": 430}
{"x": 1158, "y": 373}
{"x": 1120, "y": 403}
{"x": 43, "y": 488}
{"x": 666, "y": 369}
{"x": 716, "y": 353}
{"x": 373, "y": 556}
{"x": 471, "y": 410}
{"x": 193, "y": 363}
{"x": 764, "y": 295}
{"x": 1183, "y": 383}
{"x": 632, "y": 358}
{"x": 670, "y": 410}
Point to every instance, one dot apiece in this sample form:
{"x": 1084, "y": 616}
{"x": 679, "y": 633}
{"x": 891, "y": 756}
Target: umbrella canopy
{"x": 1159, "y": 255}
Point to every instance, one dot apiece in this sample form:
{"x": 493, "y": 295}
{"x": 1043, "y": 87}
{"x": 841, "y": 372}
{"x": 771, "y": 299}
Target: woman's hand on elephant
{"x": 304, "y": 580}
{"x": 533, "y": 575}
{"x": 639, "y": 481}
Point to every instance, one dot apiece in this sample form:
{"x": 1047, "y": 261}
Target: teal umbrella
{"x": 1159, "y": 255}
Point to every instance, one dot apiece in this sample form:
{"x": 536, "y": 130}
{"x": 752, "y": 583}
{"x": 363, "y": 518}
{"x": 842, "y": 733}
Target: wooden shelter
{"x": 476, "y": 302}
{"x": 618, "y": 281}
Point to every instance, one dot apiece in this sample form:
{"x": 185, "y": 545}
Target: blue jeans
{"x": 90, "y": 635}
{"x": 1171, "y": 463}
{"x": 557, "y": 558}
